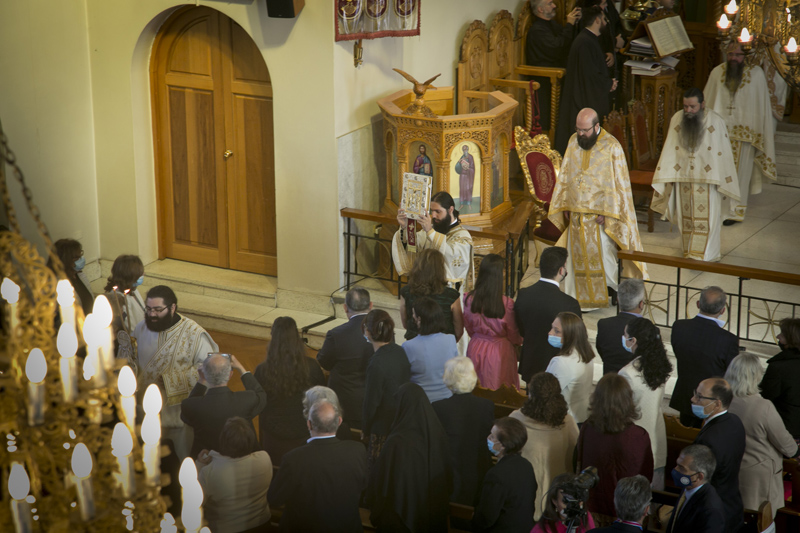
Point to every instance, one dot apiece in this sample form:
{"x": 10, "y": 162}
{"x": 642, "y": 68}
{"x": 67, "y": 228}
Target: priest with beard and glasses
{"x": 695, "y": 174}
{"x": 441, "y": 230}
{"x": 169, "y": 348}
{"x": 738, "y": 93}
{"x": 592, "y": 204}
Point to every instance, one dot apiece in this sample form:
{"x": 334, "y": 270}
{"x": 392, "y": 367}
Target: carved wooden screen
{"x": 524, "y": 22}
{"x": 472, "y": 72}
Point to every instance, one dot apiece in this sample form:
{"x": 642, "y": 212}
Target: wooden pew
{"x": 506, "y": 399}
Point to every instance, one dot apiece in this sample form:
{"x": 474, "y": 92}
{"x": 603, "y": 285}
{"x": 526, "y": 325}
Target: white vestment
{"x": 456, "y": 247}
{"x": 748, "y": 115}
{"x": 690, "y": 185}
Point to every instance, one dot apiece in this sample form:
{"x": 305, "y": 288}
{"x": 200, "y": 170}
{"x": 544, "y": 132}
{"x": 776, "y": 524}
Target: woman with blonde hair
{"x": 768, "y": 440}
{"x": 428, "y": 279}
{"x": 572, "y": 366}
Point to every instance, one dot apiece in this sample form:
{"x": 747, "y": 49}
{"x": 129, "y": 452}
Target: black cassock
{"x": 587, "y": 84}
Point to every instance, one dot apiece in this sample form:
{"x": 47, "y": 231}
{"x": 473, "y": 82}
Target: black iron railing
{"x": 750, "y": 314}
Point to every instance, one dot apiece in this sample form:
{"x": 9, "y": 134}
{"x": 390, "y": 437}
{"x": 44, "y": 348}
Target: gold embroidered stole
{"x": 586, "y": 254}
{"x": 694, "y": 203}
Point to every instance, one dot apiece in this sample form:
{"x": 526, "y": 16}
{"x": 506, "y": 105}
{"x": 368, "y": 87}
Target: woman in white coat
{"x": 761, "y": 473}
{"x": 572, "y": 366}
{"x": 647, "y": 375}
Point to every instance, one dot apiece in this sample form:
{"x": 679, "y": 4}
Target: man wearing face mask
{"x": 703, "y": 348}
{"x": 616, "y": 354}
{"x": 724, "y": 434}
{"x": 699, "y": 508}
{"x": 592, "y": 205}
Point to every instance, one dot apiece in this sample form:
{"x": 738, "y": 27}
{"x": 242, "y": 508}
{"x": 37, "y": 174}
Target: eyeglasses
{"x": 586, "y": 131}
{"x": 698, "y": 395}
{"x": 157, "y": 310}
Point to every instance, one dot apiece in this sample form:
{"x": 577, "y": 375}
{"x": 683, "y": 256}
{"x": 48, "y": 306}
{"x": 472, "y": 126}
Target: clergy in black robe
{"x": 547, "y": 45}
{"x": 587, "y": 82}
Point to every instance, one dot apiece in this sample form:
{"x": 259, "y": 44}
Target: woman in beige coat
{"x": 552, "y": 433}
{"x": 761, "y": 473}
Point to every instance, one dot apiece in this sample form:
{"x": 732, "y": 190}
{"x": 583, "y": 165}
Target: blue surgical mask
{"x": 681, "y": 480}
{"x": 491, "y": 446}
{"x": 138, "y": 282}
{"x": 80, "y": 263}
{"x": 699, "y": 411}
{"x": 625, "y": 345}
{"x": 554, "y": 341}
{"x": 367, "y": 338}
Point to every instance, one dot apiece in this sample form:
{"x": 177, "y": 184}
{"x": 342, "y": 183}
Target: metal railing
{"x": 756, "y": 316}
{"x": 515, "y": 239}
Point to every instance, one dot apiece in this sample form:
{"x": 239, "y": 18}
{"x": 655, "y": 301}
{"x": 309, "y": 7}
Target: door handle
{"x": 226, "y": 154}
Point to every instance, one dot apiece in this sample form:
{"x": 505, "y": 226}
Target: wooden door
{"x": 212, "y": 109}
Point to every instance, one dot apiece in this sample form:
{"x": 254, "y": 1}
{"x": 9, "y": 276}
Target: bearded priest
{"x": 695, "y": 173}
{"x": 592, "y": 204}
{"x": 738, "y": 93}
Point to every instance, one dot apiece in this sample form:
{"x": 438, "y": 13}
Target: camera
{"x": 576, "y": 492}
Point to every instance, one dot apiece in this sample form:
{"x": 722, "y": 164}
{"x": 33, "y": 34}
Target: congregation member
{"x": 781, "y": 382}
{"x": 699, "y": 507}
{"x": 552, "y": 433}
{"x": 466, "y": 420}
{"x": 592, "y": 204}
{"x": 767, "y": 440}
{"x": 441, "y": 231}
{"x": 738, "y": 93}
{"x": 388, "y": 369}
{"x": 70, "y": 252}
{"x": 428, "y": 279}
{"x": 409, "y": 486}
{"x": 429, "y": 351}
{"x": 554, "y": 518}
{"x": 724, "y": 434}
{"x": 611, "y": 40}
{"x": 647, "y": 376}
{"x": 235, "y": 477}
{"x": 492, "y": 327}
{"x": 695, "y": 172}
{"x": 169, "y": 348}
{"x": 537, "y": 306}
{"x": 703, "y": 348}
{"x": 587, "y": 82}
{"x": 318, "y": 393}
{"x": 611, "y": 442}
{"x": 127, "y": 305}
{"x": 285, "y": 375}
{"x": 632, "y": 503}
{"x": 572, "y": 366}
{"x": 547, "y": 45}
{"x": 345, "y": 354}
{"x": 507, "y": 494}
{"x": 320, "y": 483}
{"x": 616, "y": 355}
{"x": 211, "y": 402}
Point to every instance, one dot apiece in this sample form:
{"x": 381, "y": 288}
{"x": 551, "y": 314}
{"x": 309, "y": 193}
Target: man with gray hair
{"x": 610, "y": 331}
{"x": 703, "y": 349}
{"x": 632, "y": 502}
{"x": 699, "y": 508}
{"x": 320, "y": 483}
{"x": 211, "y": 403}
{"x": 345, "y": 354}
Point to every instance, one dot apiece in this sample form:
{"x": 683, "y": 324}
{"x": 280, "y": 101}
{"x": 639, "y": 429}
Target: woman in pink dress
{"x": 492, "y": 328}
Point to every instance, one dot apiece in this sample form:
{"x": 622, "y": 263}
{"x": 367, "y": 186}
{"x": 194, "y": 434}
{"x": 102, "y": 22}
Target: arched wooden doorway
{"x": 213, "y": 134}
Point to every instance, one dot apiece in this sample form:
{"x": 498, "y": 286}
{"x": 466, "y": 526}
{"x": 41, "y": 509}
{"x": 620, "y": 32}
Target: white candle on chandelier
{"x": 731, "y": 8}
{"x": 103, "y": 315}
{"x": 66, "y": 302}
{"x": 121, "y": 448}
{"x": 18, "y": 487}
{"x": 10, "y": 292}
{"x": 82, "y": 468}
{"x": 126, "y": 383}
{"x": 36, "y": 370}
{"x": 791, "y": 46}
{"x": 192, "y": 495}
{"x": 93, "y": 365}
{"x": 151, "y": 433}
{"x": 67, "y": 343}
{"x": 724, "y": 23}
{"x": 745, "y": 36}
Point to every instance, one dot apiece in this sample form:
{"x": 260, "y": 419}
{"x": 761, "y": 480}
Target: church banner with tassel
{"x": 371, "y": 19}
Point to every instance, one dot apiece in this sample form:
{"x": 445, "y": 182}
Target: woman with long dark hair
{"x": 491, "y": 324}
{"x": 779, "y": 384}
{"x": 572, "y": 366}
{"x": 285, "y": 375}
{"x": 612, "y": 443}
{"x": 127, "y": 305}
{"x": 647, "y": 375}
{"x": 428, "y": 279}
{"x": 70, "y": 252}
{"x": 552, "y": 433}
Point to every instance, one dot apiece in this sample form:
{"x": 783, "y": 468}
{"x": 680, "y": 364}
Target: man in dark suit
{"x": 723, "y": 432}
{"x": 320, "y": 483}
{"x": 610, "y": 330}
{"x": 345, "y": 354}
{"x": 211, "y": 403}
{"x": 632, "y": 502}
{"x": 699, "y": 508}
{"x": 703, "y": 350}
{"x": 536, "y": 308}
